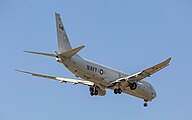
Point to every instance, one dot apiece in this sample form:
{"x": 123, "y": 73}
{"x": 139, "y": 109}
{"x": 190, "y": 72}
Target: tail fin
{"x": 63, "y": 41}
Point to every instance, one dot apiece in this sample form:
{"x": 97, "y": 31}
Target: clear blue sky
{"x": 128, "y": 35}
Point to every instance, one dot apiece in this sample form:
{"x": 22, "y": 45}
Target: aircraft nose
{"x": 153, "y": 93}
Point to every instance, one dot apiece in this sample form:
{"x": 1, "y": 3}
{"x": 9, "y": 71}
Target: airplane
{"x": 96, "y": 76}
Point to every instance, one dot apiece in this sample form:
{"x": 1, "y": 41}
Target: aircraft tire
{"x": 145, "y": 104}
{"x": 91, "y": 93}
{"x": 115, "y": 91}
{"x": 96, "y": 92}
{"x": 119, "y": 91}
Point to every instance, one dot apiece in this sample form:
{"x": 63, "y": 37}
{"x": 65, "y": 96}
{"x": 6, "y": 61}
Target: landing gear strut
{"x": 93, "y": 91}
{"x": 117, "y": 91}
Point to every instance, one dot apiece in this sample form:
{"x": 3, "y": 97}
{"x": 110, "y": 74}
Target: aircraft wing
{"x": 74, "y": 81}
{"x": 148, "y": 72}
{"x": 143, "y": 74}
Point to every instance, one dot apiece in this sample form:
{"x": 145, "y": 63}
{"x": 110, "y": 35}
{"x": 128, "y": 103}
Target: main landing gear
{"x": 93, "y": 91}
{"x": 118, "y": 91}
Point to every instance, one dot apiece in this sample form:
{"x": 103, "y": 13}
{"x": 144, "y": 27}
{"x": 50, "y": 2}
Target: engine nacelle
{"x": 141, "y": 88}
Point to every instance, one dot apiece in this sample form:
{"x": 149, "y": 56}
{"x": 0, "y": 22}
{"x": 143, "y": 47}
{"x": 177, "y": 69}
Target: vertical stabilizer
{"x": 63, "y": 41}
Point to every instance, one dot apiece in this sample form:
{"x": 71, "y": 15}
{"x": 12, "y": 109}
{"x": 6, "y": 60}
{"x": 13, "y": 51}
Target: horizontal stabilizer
{"x": 72, "y": 52}
{"x": 39, "y": 53}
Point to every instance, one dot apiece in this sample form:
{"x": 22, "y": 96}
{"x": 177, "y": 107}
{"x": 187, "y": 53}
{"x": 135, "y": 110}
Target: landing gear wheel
{"x": 96, "y": 92}
{"x": 145, "y": 104}
{"x": 91, "y": 93}
{"x": 133, "y": 86}
{"x": 91, "y": 89}
{"x": 117, "y": 91}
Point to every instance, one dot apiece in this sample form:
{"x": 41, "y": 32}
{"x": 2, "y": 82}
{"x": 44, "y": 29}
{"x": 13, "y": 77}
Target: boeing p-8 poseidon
{"x": 96, "y": 76}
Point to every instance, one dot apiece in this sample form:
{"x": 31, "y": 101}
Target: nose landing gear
{"x": 145, "y": 103}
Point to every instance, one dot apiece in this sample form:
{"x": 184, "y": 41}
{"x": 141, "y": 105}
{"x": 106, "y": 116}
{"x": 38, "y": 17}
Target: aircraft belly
{"x": 140, "y": 92}
{"x": 134, "y": 93}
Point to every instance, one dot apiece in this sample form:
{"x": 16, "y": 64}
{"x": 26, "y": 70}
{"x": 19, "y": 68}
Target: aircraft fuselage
{"x": 103, "y": 75}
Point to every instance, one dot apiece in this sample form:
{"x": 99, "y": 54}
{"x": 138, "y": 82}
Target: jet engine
{"x": 141, "y": 88}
